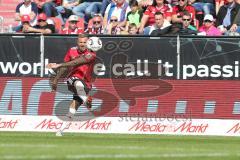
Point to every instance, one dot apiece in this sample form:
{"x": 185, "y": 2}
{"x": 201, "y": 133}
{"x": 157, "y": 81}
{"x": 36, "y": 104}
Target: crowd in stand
{"x": 129, "y": 17}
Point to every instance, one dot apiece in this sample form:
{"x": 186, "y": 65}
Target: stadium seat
{"x": 58, "y": 24}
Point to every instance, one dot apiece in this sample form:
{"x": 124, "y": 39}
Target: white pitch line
{"x": 112, "y": 147}
{"x": 120, "y": 156}
{"x": 9, "y": 157}
{"x": 7, "y": 145}
{"x": 137, "y": 156}
{"x": 27, "y": 145}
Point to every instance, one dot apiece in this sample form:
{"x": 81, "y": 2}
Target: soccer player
{"x": 80, "y": 61}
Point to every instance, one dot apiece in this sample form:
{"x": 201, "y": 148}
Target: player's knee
{"x": 79, "y": 85}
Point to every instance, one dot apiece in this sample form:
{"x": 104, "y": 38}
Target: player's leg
{"x": 69, "y": 116}
{"x": 73, "y": 108}
{"x": 82, "y": 92}
{"x": 80, "y": 97}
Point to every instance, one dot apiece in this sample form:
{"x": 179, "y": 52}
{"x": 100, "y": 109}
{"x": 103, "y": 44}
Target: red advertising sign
{"x": 129, "y": 98}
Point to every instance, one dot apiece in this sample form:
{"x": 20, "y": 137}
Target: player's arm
{"x": 76, "y": 62}
{"x": 61, "y": 71}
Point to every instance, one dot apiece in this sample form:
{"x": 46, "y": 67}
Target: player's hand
{"x": 52, "y": 65}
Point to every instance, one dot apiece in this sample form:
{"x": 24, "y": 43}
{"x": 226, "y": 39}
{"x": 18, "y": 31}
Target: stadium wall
{"x": 141, "y": 85}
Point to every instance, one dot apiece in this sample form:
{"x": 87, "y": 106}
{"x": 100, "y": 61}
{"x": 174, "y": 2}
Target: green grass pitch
{"x": 22, "y": 145}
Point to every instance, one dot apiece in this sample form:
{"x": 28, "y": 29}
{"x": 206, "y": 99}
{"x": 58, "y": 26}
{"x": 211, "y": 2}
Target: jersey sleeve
{"x": 67, "y": 56}
{"x": 18, "y": 8}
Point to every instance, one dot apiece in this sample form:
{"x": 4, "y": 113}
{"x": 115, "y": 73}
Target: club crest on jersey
{"x": 88, "y": 56}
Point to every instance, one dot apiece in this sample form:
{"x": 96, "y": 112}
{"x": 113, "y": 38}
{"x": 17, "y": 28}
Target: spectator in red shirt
{"x": 72, "y": 27}
{"x": 148, "y": 18}
{"x": 179, "y": 9}
{"x": 81, "y": 61}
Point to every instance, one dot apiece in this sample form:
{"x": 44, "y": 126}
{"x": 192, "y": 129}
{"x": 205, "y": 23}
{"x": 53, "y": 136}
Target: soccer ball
{"x": 94, "y": 44}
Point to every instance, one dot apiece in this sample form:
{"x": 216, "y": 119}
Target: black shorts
{"x": 71, "y": 87}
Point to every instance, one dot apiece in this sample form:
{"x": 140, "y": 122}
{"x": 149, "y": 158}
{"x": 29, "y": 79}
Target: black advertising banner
{"x": 20, "y": 55}
{"x": 210, "y": 58}
{"x": 55, "y": 47}
{"x": 128, "y": 57}
{"x": 124, "y": 57}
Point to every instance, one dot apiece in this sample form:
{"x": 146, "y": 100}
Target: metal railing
{"x": 1, "y": 24}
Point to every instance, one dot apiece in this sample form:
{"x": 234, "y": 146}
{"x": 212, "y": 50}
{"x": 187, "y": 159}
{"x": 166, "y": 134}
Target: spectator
{"x": 72, "y": 27}
{"x": 65, "y": 10}
{"x": 87, "y": 9}
{"x": 205, "y": 6}
{"x": 112, "y": 27}
{"x": 135, "y": 15}
{"x": 97, "y": 25}
{"x": 186, "y": 28}
{"x": 179, "y": 9}
{"x": 228, "y": 17}
{"x": 161, "y": 26}
{"x": 25, "y": 20}
{"x": 27, "y": 7}
{"x": 132, "y": 29}
{"x": 47, "y": 7}
{"x": 208, "y": 27}
{"x": 148, "y": 18}
{"x": 119, "y": 9}
{"x": 43, "y": 26}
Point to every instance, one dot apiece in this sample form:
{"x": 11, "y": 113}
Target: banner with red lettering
{"x": 127, "y": 125}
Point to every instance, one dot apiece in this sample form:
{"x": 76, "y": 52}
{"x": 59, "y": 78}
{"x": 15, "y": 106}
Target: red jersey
{"x": 83, "y": 72}
{"x": 151, "y": 10}
{"x": 179, "y": 12}
{"x": 68, "y": 31}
